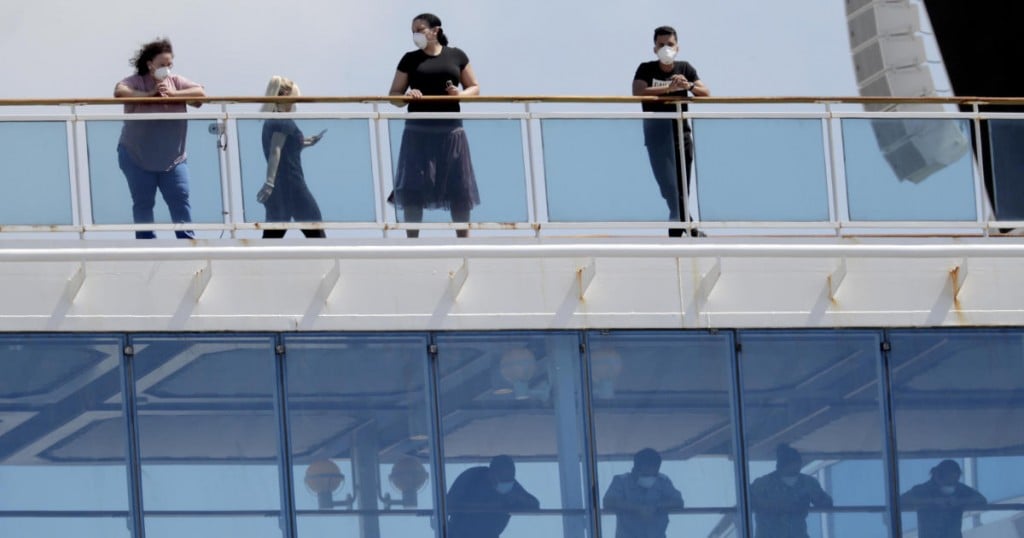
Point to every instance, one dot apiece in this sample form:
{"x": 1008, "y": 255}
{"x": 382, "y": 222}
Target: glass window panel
{"x": 494, "y": 154}
{"x": 37, "y": 186}
{"x": 670, "y": 393}
{"x": 812, "y": 427}
{"x": 761, "y": 170}
{"x": 208, "y": 435}
{"x": 111, "y": 200}
{"x": 62, "y": 437}
{"x": 917, "y": 170}
{"x": 956, "y": 409}
{"x": 337, "y": 170}
{"x": 513, "y": 442}
{"x": 359, "y": 419}
{"x": 600, "y": 170}
{"x": 1006, "y": 137}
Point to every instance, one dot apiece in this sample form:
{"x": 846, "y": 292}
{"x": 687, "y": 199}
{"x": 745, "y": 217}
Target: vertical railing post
{"x": 532, "y": 170}
{"x": 380, "y": 185}
{"x": 683, "y": 172}
{"x": 833, "y": 184}
{"x": 78, "y": 193}
{"x": 984, "y": 207}
{"x": 224, "y": 157}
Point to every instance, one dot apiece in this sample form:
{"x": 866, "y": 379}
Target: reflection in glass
{"x": 599, "y": 170}
{"x": 360, "y": 435}
{"x": 1006, "y": 138}
{"x": 811, "y": 416}
{"x": 439, "y": 175}
{"x": 956, "y": 401}
{"x": 62, "y": 437}
{"x": 918, "y": 170}
{"x": 511, "y": 414}
{"x": 338, "y": 169}
{"x": 208, "y": 435}
{"x": 35, "y": 173}
{"x": 761, "y": 170}
{"x": 111, "y": 199}
{"x": 663, "y": 397}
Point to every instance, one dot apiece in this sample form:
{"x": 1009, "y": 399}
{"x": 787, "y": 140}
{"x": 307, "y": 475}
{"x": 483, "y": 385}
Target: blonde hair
{"x": 279, "y": 86}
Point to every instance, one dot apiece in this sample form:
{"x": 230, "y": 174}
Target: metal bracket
{"x": 457, "y": 278}
{"x": 74, "y": 284}
{"x": 959, "y": 277}
{"x": 708, "y": 281}
{"x": 201, "y": 280}
{"x": 835, "y": 279}
{"x": 585, "y": 276}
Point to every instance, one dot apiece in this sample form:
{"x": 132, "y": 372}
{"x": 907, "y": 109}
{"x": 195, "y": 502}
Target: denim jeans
{"x": 143, "y": 184}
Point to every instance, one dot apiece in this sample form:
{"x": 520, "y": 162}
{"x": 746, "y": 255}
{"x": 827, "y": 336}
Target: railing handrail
{"x": 512, "y": 99}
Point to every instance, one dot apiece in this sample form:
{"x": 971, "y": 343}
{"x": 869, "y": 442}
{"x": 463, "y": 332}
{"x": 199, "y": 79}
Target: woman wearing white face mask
{"x": 434, "y": 166}
{"x": 152, "y": 153}
{"x": 940, "y": 502}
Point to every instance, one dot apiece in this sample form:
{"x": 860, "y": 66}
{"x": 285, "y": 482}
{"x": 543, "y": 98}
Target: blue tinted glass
{"x": 908, "y": 169}
{"x": 956, "y": 407}
{"x": 667, "y": 396}
{"x": 513, "y": 445}
{"x": 336, "y": 170}
{"x": 761, "y": 169}
{"x": 111, "y": 199}
{"x": 62, "y": 437}
{"x": 1006, "y": 137}
{"x": 600, "y": 170}
{"x": 359, "y": 422}
{"x": 442, "y": 163}
{"x": 812, "y": 424}
{"x": 208, "y": 435}
{"x": 37, "y": 188}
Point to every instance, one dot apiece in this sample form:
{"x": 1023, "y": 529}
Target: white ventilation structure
{"x": 889, "y": 60}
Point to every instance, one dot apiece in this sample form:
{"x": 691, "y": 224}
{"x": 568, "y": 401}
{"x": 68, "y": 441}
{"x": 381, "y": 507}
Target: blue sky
{"x": 742, "y": 47}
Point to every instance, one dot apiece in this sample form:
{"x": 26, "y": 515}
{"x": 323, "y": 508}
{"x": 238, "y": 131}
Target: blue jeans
{"x": 143, "y": 184}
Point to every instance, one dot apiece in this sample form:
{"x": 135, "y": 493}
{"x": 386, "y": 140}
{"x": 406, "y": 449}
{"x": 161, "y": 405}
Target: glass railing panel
{"x": 601, "y": 170}
{"x": 761, "y": 170}
{"x": 35, "y": 175}
{"x": 112, "y": 201}
{"x": 330, "y": 175}
{"x": 474, "y": 166}
{"x": 63, "y": 461}
{"x": 1006, "y": 138}
{"x": 909, "y": 170}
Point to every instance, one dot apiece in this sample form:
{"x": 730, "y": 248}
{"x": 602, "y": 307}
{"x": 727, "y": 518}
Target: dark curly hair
{"x": 148, "y": 52}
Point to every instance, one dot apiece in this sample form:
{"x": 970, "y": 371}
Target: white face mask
{"x": 504, "y": 487}
{"x": 948, "y": 490}
{"x": 667, "y": 55}
{"x": 646, "y": 481}
{"x": 419, "y": 40}
{"x": 789, "y": 480}
{"x": 162, "y": 73}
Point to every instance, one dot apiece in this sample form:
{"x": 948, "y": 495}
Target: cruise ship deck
{"x": 853, "y": 293}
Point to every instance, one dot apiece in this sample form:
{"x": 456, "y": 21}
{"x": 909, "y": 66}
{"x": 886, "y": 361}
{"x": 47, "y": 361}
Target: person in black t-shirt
{"x": 285, "y": 193}
{"x": 668, "y": 77}
{"x": 434, "y": 166}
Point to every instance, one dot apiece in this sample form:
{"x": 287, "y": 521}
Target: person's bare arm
{"x": 398, "y": 87}
{"x": 699, "y": 89}
{"x": 273, "y": 162}
{"x": 470, "y": 86}
{"x": 122, "y": 90}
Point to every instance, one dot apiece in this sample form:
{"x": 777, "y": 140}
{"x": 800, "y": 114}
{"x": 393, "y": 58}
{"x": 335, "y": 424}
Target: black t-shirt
{"x": 290, "y": 166}
{"x": 652, "y": 74}
{"x": 430, "y": 74}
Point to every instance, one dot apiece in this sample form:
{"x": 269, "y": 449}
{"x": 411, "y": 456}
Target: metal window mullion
{"x": 287, "y": 514}
{"x": 136, "y": 510}
{"x": 589, "y": 436}
{"x": 743, "y": 523}
{"x": 433, "y": 396}
{"x": 889, "y": 435}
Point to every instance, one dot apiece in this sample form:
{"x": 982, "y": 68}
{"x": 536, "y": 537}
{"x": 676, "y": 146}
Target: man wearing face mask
{"x": 782, "y": 499}
{"x": 668, "y": 77}
{"x": 642, "y": 498}
{"x": 481, "y": 499}
{"x": 940, "y": 502}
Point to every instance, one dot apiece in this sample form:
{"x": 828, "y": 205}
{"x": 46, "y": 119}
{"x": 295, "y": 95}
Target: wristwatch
{"x": 692, "y": 84}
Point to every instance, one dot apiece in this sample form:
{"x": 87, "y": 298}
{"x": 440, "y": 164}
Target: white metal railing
{"x": 537, "y": 216}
